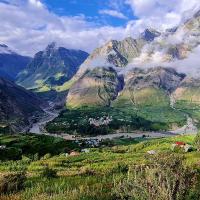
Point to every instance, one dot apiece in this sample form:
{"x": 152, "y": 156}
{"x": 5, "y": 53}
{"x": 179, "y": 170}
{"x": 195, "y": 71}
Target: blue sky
{"x": 92, "y": 10}
{"x": 28, "y": 26}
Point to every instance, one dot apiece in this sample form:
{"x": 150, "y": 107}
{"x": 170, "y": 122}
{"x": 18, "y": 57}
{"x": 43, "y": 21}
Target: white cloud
{"x": 28, "y": 26}
{"x": 36, "y": 3}
{"x": 189, "y": 65}
{"x": 113, "y": 13}
{"x": 162, "y": 14}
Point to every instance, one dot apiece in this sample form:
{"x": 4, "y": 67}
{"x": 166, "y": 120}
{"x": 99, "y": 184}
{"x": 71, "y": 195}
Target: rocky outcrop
{"x": 164, "y": 78}
{"x": 97, "y": 87}
{"x": 150, "y": 34}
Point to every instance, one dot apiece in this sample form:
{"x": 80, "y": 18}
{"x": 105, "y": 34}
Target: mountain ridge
{"x": 17, "y": 105}
{"x": 51, "y": 67}
{"x": 11, "y": 63}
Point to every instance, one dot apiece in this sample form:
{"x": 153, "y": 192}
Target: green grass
{"x": 66, "y": 86}
{"x": 90, "y": 175}
{"x": 190, "y": 108}
{"x": 143, "y": 97}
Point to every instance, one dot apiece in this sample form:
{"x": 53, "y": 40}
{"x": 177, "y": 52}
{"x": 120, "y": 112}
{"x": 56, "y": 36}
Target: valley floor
{"x": 39, "y": 128}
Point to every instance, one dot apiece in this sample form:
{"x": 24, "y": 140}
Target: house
{"x": 186, "y": 147}
{"x": 181, "y": 144}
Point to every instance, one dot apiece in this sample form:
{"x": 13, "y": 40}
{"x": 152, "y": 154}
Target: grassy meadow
{"x": 96, "y": 175}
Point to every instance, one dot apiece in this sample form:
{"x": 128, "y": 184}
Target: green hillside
{"x": 93, "y": 175}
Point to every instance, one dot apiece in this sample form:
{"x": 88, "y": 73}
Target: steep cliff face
{"x": 102, "y": 86}
{"x": 97, "y": 87}
{"x": 51, "y": 67}
{"x": 116, "y": 53}
{"x": 113, "y": 54}
{"x": 17, "y": 105}
{"x": 188, "y": 93}
{"x": 149, "y": 87}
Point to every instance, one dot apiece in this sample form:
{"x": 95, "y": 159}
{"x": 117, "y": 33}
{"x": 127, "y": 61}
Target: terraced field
{"x": 92, "y": 175}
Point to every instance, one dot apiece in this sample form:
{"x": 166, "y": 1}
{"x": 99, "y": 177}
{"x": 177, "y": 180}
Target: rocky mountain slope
{"x": 117, "y": 53}
{"x": 51, "y": 67}
{"x": 149, "y": 87}
{"x": 11, "y": 63}
{"x": 17, "y": 105}
{"x": 177, "y": 43}
{"x": 96, "y": 87}
{"x": 103, "y": 86}
{"x": 149, "y": 50}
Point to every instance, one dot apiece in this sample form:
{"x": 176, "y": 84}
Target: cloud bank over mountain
{"x": 28, "y": 26}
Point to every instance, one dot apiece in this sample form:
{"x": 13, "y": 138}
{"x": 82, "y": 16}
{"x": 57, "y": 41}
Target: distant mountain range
{"x": 146, "y": 71}
{"x": 51, "y": 67}
{"x": 11, "y": 63}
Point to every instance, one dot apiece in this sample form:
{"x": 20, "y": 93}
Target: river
{"x": 50, "y": 114}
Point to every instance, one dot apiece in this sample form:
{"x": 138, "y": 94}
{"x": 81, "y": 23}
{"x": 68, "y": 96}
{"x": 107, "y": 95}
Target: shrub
{"x": 117, "y": 149}
{"x": 46, "y": 156}
{"x": 48, "y": 172}
{"x": 120, "y": 168}
{"x": 87, "y": 171}
{"x": 10, "y": 153}
{"x": 12, "y": 182}
{"x": 163, "y": 178}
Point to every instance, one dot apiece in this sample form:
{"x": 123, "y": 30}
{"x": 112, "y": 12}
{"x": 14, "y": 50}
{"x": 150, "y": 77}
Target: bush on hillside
{"x": 10, "y": 153}
{"x": 48, "y": 172}
{"x": 197, "y": 141}
{"x": 46, "y": 156}
{"x": 164, "y": 177}
{"x": 12, "y": 183}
